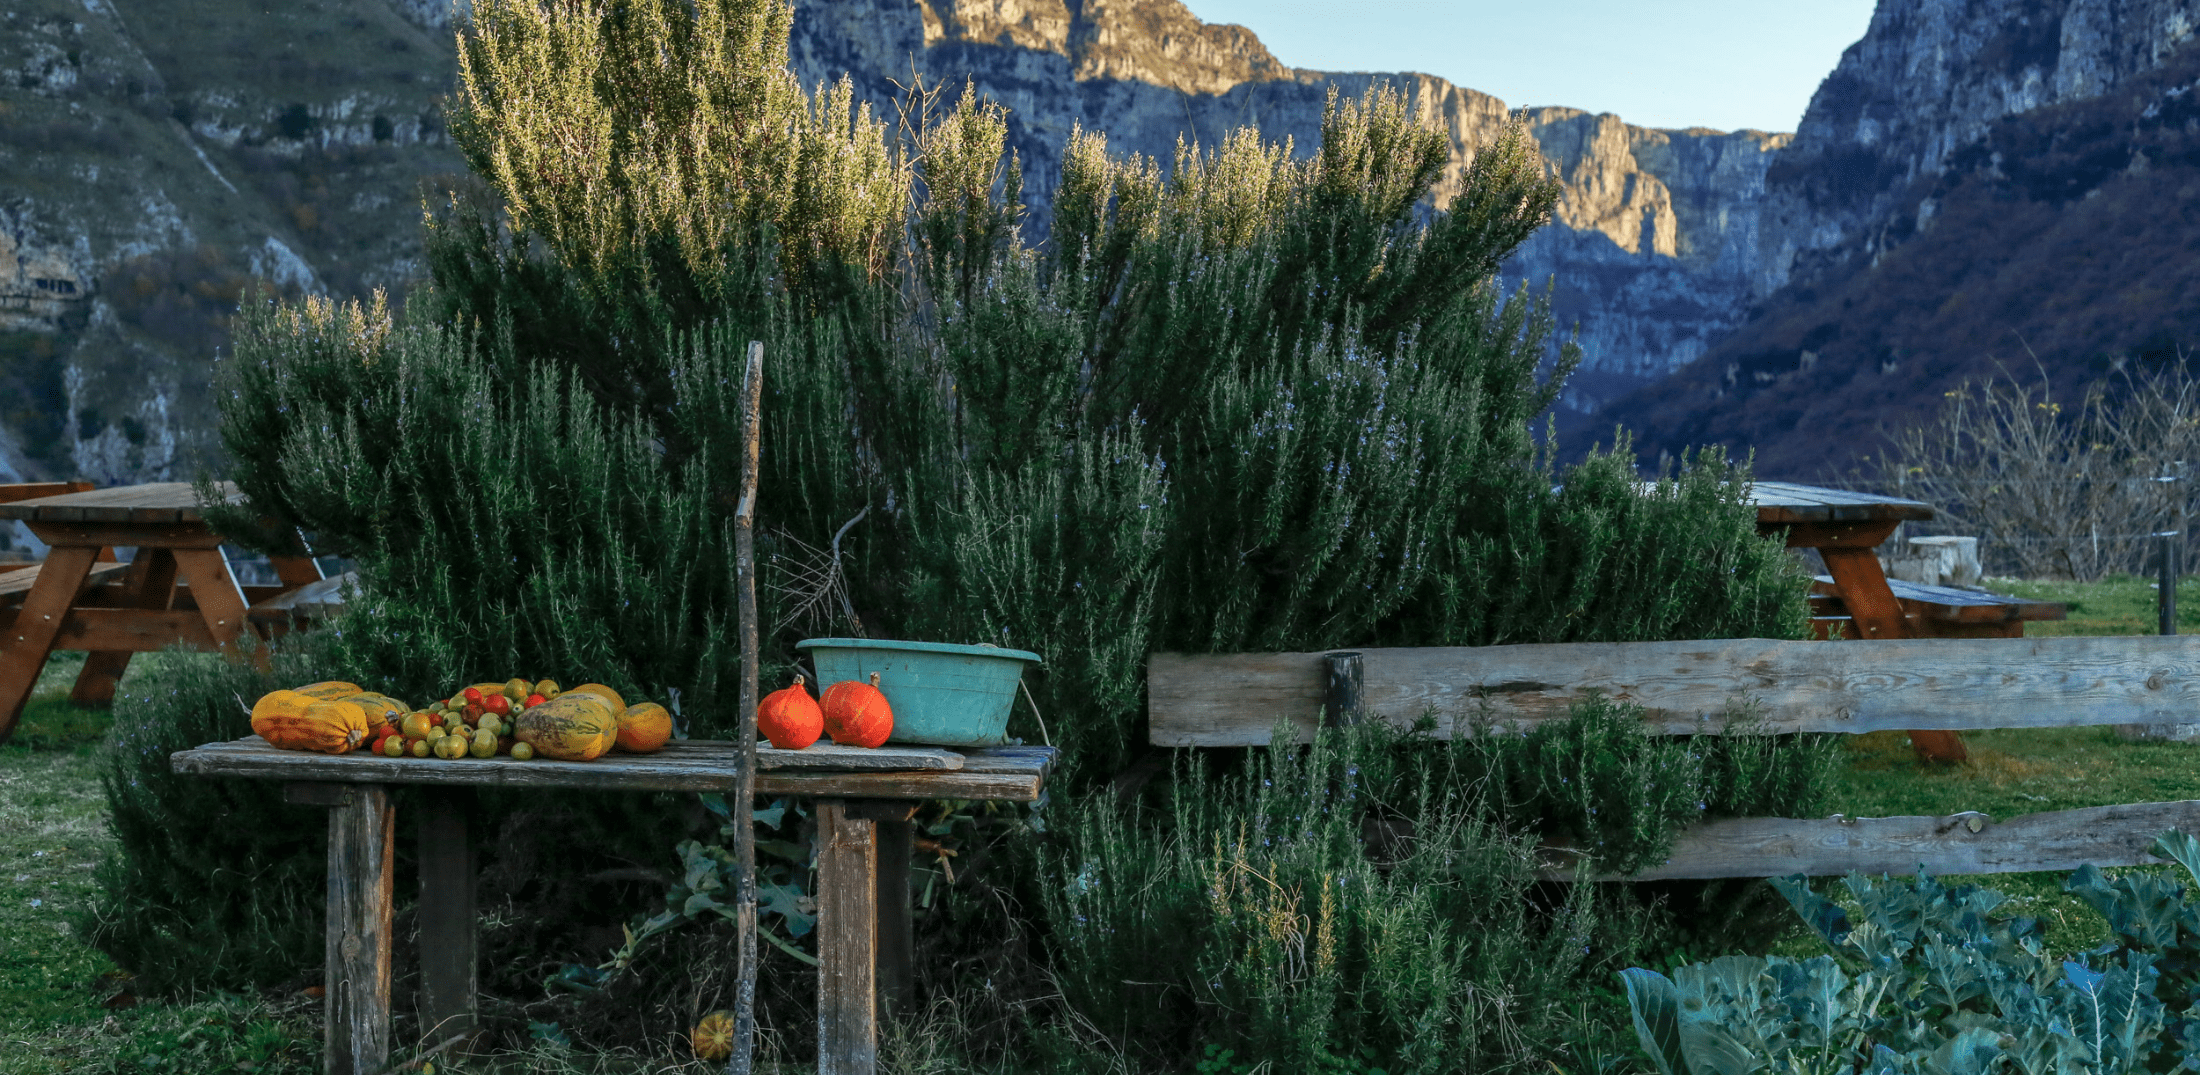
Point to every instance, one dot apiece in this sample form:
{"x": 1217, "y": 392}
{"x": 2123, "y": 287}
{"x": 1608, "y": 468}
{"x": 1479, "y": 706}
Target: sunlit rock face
{"x": 1655, "y": 234}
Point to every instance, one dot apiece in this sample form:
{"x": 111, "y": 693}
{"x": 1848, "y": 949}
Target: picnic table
{"x": 1855, "y": 597}
{"x": 864, "y": 800}
{"x": 177, "y": 588}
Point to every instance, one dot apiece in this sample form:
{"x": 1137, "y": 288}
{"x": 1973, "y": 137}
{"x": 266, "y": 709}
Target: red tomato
{"x": 534, "y": 700}
{"x": 498, "y": 704}
{"x": 472, "y": 694}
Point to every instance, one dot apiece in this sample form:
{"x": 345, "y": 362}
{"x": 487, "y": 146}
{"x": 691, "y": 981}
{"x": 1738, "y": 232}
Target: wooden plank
{"x": 18, "y": 491}
{"x": 20, "y": 580}
{"x": 311, "y": 598}
{"x": 133, "y": 630}
{"x": 847, "y": 942}
{"x": 175, "y": 536}
{"x": 214, "y": 590}
{"x": 23, "y": 651}
{"x": 153, "y": 504}
{"x": 150, "y": 586}
{"x": 1957, "y": 845}
{"x": 1012, "y": 774}
{"x": 824, "y": 755}
{"x": 1786, "y": 502}
{"x": 449, "y": 964}
{"x": 362, "y": 868}
{"x": 1237, "y": 699}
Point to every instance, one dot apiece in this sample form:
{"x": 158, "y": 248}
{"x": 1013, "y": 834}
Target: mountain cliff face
{"x": 1653, "y": 246}
{"x": 1977, "y": 189}
{"x": 157, "y": 158}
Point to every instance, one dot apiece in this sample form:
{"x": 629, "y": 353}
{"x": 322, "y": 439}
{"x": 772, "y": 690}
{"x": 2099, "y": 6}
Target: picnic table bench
{"x": 177, "y": 588}
{"x": 864, "y": 801}
{"x": 1936, "y": 611}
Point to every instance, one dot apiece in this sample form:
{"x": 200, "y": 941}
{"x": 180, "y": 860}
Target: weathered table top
{"x": 1008, "y": 774}
{"x": 1786, "y": 502}
{"x": 162, "y": 503}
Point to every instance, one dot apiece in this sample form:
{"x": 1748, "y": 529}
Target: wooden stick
{"x": 743, "y": 797}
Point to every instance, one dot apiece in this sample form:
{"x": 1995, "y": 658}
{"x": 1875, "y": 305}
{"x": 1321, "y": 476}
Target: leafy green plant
{"x": 1928, "y": 978}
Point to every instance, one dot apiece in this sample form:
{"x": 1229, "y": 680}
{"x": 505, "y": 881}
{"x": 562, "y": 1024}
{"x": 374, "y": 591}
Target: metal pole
{"x": 743, "y": 798}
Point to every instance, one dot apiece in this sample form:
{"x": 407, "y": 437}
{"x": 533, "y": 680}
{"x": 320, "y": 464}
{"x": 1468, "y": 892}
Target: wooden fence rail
{"x": 1226, "y": 700}
{"x": 1235, "y": 699}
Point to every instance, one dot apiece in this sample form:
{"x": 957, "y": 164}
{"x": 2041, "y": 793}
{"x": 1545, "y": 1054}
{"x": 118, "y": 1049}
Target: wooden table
{"x": 1846, "y": 529}
{"x": 178, "y": 588}
{"x": 863, "y": 848}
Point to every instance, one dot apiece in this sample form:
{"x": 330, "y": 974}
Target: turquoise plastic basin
{"x": 943, "y": 695}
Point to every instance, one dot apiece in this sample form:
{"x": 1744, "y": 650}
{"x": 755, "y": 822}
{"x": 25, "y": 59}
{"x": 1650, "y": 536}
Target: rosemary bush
{"x": 1253, "y": 400}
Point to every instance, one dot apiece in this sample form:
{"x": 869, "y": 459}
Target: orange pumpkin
{"x": 790, "y": 718}
{"x": 856, "y": 714}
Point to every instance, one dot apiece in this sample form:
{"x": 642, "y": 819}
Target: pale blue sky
{"x": 1727, "y": 64}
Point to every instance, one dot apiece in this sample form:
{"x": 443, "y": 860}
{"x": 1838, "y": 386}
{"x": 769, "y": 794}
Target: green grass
{"x": 64, "y": 1006}
{"x": 2033, "y": 770}
{"x": 2119, "y": 605}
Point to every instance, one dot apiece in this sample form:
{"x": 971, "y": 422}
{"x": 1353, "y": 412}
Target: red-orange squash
{"x": 856, "y": 713}
{"x": 790, "y": 718}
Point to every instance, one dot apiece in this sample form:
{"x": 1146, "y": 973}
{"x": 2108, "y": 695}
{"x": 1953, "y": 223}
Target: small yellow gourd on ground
{"x": 644, "y": 728}
{"x": 575, "y": 726}
{"x": 712, "y": 1038}
{"x": 294, "y": 721}
{"x": 331, "y": 690}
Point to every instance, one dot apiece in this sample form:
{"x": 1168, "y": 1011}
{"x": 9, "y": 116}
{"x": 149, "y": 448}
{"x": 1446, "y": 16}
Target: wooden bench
{"x": 295, "y": 608}
{"x": 863, "y": 853}
{"x": 1238, "y": 700}
{"x": 1935, "y": 611}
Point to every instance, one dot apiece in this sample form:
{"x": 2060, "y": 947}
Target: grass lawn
{"x": 2031, "y": 770}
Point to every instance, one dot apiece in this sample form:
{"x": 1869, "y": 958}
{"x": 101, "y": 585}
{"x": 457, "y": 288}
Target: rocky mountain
{"x": 1977, "y": 190}
{"x": 155, "y": 158}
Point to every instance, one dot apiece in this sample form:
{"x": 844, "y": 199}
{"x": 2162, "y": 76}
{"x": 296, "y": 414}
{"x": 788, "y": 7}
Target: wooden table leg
{"x": 896, "y": 940}
{"x": 295, "y": 571}
{"x": 149, "y": 584}
{"x": 215, "y": 591}
{"x": 1877, "y": 614}
{"x": 362, "y": 868}
{"x": 24, "y": 655}
{"x": 449, "y": 968}
{"x": 847, "y": 941}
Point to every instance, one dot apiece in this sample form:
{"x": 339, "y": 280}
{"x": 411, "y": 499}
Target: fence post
{"x": 2172, "y": 542}
{"x": 1341, "y": 681}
